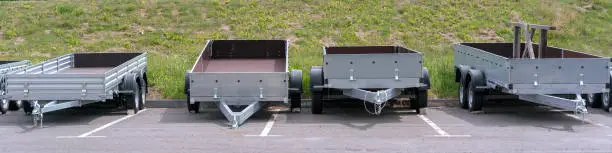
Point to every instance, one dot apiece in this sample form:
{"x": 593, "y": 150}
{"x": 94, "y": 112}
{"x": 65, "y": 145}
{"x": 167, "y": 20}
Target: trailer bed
{"x": 558, "y": 71}
{"x": 242, "y": 65}
{"x": 78, "y": 76}
{"x": 238, "y": 73}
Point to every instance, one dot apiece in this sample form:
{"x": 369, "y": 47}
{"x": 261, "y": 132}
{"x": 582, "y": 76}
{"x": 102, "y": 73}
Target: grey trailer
{"x": 531, "y": 72}
{"x": 8, "y": 67}
{"x": 74, "y": 80}
{"x": 241, "y": 76}
{"x": 374, "y": 75}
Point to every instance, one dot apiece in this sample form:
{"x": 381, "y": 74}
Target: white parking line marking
{"x": 450, "y": 136}
{"x": 269, "y": 125}
{"x": 266, "y": 131}
{"x": 433, "y": 125}
{"x": 441, "y": 133}
{"x": 69, "y": 137}
{"x": 586, "y": 120}
{"x": 108, "y": 125}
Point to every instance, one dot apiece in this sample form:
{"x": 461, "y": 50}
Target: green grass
{"x": 173, "y": 32}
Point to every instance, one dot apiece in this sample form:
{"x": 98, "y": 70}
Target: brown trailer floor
{"x": 88, "y": 70}
{"x": 243, "y": 65}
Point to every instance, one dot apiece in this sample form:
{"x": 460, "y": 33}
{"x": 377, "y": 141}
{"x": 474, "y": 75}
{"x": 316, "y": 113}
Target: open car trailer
{"x": 241, "y": 76}
{"x": 532, "y": 72}
{"x": 372, "y": 74}
{"x": 78, "y": 79}
{"x": 8, "y": 67}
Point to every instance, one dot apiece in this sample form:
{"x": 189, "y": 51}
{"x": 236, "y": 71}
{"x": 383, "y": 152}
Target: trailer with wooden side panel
{"x": 374, "y": 75}
{"x": 241, "y": 76}
{"x": 531, "y": 72}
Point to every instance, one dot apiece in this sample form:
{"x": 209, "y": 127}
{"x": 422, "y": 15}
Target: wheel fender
{"x": 478, "y": 78}
{"x": 460, "y": 72}
{"x": 425, "y": 80}
{"x": 295, "y": 81}
{"x": 316, "y": 78}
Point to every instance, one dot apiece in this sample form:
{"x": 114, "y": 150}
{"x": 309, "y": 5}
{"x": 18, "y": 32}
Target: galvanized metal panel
{"x": 557, "y": 88}
{"x": 347, "y": 71}
{"x": 43, "y": 82}
{"x": 373, "y": 83}
{"x": 372, "y": 66}
{"x": 495, "y": 67}
{"x": 560, "y": 71}
{"x": 13, "y": 67}
{"x": 238, "y": 84}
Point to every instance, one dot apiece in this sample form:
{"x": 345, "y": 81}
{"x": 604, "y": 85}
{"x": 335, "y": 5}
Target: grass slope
{"x": 173, "y": 32}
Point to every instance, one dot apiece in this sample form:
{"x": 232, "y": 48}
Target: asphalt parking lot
{"x": 444, "y": 128}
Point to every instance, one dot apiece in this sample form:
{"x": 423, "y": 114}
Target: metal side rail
{"x": 577, "y": 105}
{"x": 38, "y": 112}
{"x": 237, "y": 118}
{"x": 376, "y": 97}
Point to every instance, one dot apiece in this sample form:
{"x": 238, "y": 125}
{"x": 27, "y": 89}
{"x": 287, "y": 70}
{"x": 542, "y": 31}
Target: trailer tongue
{"x": 532, "y": 72}
{"x": 241, "y": 76}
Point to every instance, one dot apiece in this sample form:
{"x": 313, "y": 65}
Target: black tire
{"x": 3, "y": 107}
{"x": 316, "y": 79}
{"x": 317, "y": 103}
{"x": 594, "y": 100}
{"x": 475, "y": 99}
{"x": 195, "y": 107}
{"x": 419, "y": 101}
{"x": 605, "y": 101}
{"x": 142, "y": 86}
{"x": 131, "y": 100}
{"x": 463, "y": 94}
{"x": 186, "y": 89}
{"x": 27, "y": 107}
{"x": 296, "y": 100}
{"x": 295, "y": 82}
{"x": 12, "y": 105}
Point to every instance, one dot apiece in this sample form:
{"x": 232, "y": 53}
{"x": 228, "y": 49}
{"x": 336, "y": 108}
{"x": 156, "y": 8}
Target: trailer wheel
{"x": 594, "y": 100}
{"x": 295, "y": 82}
{"x": 419, "y": 101}
{"x": 186, "y": 89}
{"x": 12, "y": 105}
{"x": 605, "y": 101}
{"x": 3, "y": 106}
{"x": 132, "y": 100}
{"x": 195, "y": 107}
{"x": 475, "y": 99}
{"x": 317, "y": 103}
{"x": 463, "y": 94}
{"x": 27, "y": 107}
{"x": 142, "y": 85}
{"x": 316, "y": 79}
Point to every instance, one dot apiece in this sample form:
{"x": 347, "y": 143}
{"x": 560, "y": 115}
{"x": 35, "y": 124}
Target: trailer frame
{"x": 47, "y": 86}
{"x": 551, "y": 76}
{"x": 240, "y": 94}
{"x": 372, "y": 74}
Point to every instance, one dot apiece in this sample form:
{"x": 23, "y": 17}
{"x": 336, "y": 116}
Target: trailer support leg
{"x": 38, "y": 112}
{"x": 237, "y": 118}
